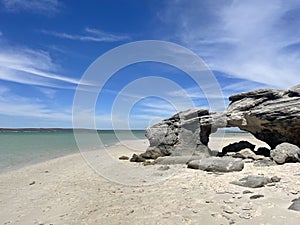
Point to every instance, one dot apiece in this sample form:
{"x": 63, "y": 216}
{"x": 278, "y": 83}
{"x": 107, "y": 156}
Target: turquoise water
{"x": 18, "y": 149}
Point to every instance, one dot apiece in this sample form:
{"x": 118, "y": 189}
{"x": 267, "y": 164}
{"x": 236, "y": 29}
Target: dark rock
{"x": 286, "y": 152}
{"x": 264, "y": 162}
{"x": 137, "y": 158}
{"x": 123, "y": 157}
{"x": 252, "y": 181}
{"x": 275, "y": 179}
{"x": 256, "y": 196}
{"x": 295, "y": 205}
{"x": 216, "y": 164}
{"x": 170, "y": 160}
{"x": 238, "y": 146}
{"x": 263, "y": 151}
{"x": 247, "y": 192}
{"x": 32, "y": 183}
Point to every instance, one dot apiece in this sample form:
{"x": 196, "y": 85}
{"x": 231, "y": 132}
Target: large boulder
{"x": 286, "y": 152}
{"x": 217, "y": 164}
{"x": 182, "y": 134}
{"x": 272, "y": 116}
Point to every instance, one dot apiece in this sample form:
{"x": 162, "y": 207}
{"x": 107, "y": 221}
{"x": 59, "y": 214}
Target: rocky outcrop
{"x": 182, "y": 134}
{"x": 272, "y": 116}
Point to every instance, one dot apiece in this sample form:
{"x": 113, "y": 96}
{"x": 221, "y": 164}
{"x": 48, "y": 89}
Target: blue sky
{"x": 46, "y": 46}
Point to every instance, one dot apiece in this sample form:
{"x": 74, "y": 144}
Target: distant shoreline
{"x": 59, "y": 130}
{"x": 80, "y": 130}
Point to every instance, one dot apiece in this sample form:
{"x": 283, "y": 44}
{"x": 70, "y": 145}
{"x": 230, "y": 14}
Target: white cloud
{"x": 251, "y": 40}
{"x": 26, "y": 66}
{"x": 34, "y": 6}
{"x": 90, "y": 34}
{"x": 15, "y": 105}
{"x": 48, "y": 92}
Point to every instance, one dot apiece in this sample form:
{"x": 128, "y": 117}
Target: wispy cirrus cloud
{"x": 16, "y": 105}
{"x": 89, "y": 34}
{"x": 33, "y": 67}
{"x": 33, "y": 6}
{"x": 253, "y": 40}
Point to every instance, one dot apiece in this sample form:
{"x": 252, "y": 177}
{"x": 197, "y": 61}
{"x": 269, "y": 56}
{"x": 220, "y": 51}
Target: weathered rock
{"x": 275, "y": 179}
{"x": 170, "y": 160}
{"x": 247, "y": 154}
{"x": 137, "y": 158}
{"x": 263, "y": 151}
{"x": 238, "y": 146}
{"x": 252, "y": 181}
{"x": 256, "y": 196}
{"x": 295, "y": 205}
{"x": 272, "y": 116}
{"x": 123, "y": 157}
{"x": 217, "y": 164}
{"x": 182, "y": 134}
{"x": 264, "y": 162}
{"x": 286, "y": 152}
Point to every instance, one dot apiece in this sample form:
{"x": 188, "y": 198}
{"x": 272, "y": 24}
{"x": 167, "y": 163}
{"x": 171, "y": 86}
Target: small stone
{"x": 137, "y": 158}
{"x": 275, "y": 179}
{"x": 294, "y": 192}
{"x": 208, "y": 201}
{"x": 32, "y": 183}
{"x": 247, "y": 192}
{"x": 256, "y": 196}
{"x": 246, "y": 208}
{"x": 163, "y": 168}
{"x": 245, "y": 216}
{"x": 228, "y": 210}
{"x": 230, "y": 201}
{"x": 123, "y": 157}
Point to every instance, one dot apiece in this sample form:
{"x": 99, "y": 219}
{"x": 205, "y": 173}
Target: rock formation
{"x": 182, "y": 134}
{"x": 272, "y": 116}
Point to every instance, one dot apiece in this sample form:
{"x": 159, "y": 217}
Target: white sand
{"x": 68, "y": 191}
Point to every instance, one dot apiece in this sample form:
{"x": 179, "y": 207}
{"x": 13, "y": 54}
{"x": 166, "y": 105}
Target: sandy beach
{"x": 67, "y": 191}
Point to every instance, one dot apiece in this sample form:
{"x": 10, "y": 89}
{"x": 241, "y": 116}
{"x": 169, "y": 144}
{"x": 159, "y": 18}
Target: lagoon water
{"x": 18, "y": 149}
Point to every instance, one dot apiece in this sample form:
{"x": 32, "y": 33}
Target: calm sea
{"x": 18, "y": 149}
